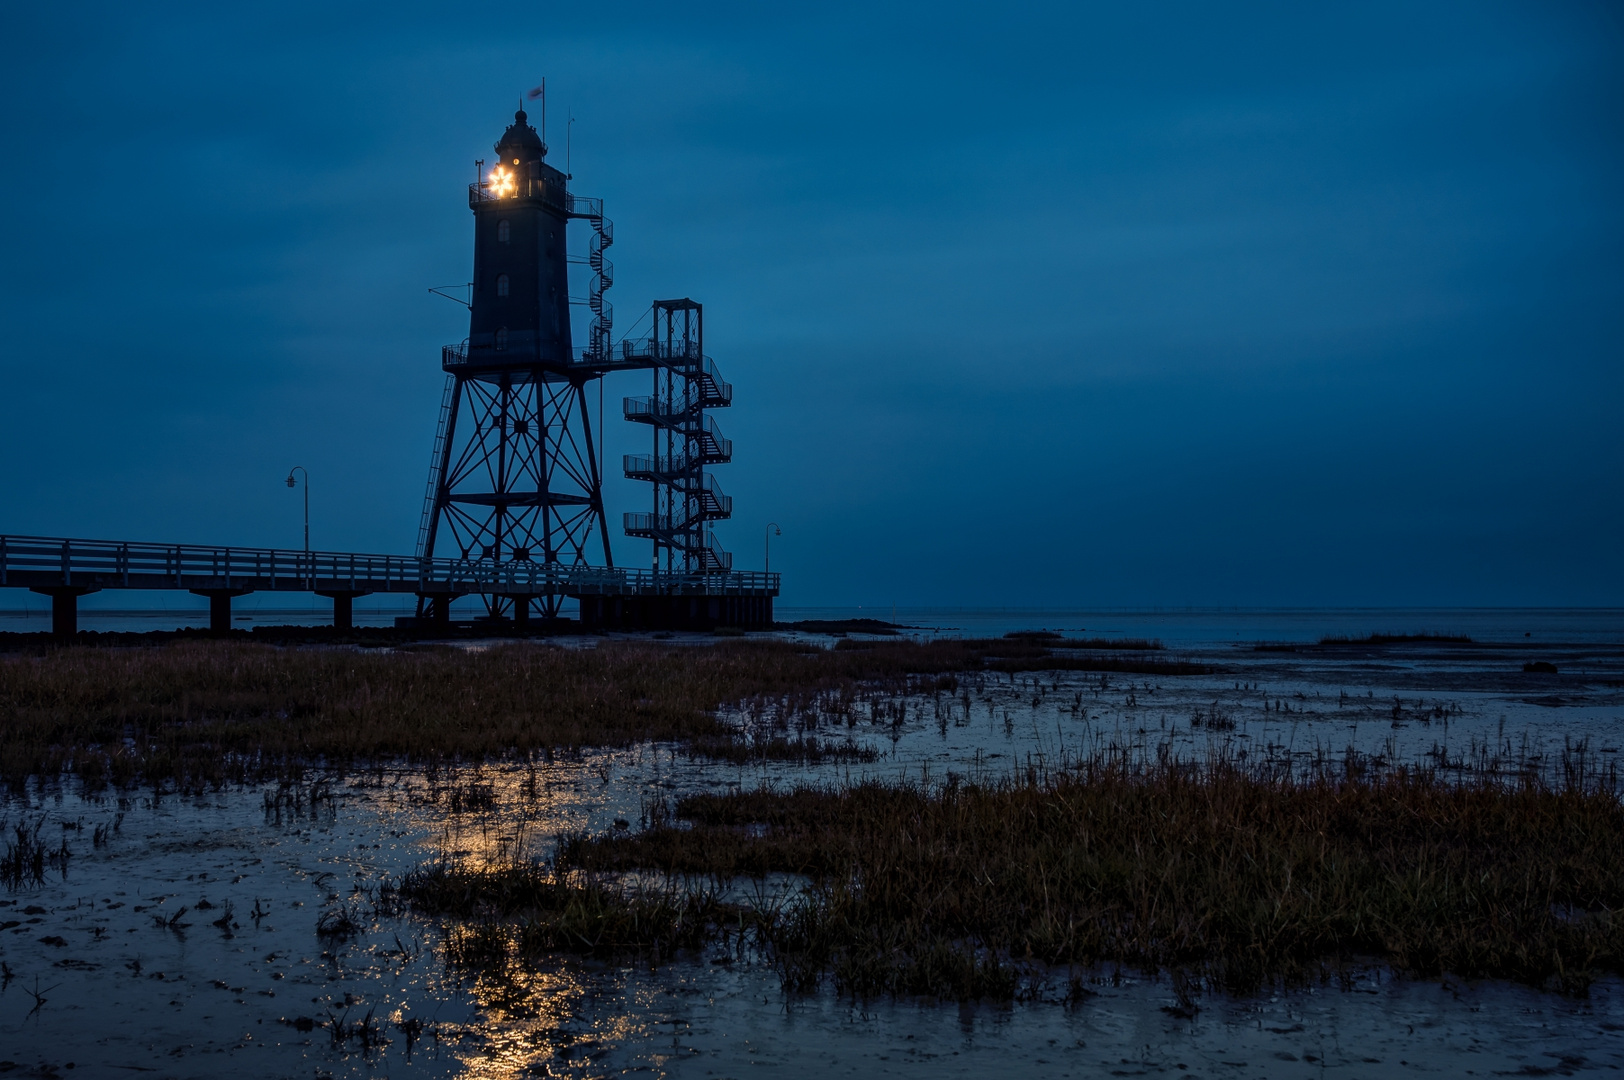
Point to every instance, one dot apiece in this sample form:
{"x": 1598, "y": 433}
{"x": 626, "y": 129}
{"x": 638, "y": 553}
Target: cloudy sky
{"x": 1150, "y": 304}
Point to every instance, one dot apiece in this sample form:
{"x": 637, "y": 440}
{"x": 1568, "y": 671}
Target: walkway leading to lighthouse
{"x": 66, "y": 569}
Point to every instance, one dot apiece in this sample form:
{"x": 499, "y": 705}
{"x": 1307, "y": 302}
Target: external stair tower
{"x": 686, "y": 439}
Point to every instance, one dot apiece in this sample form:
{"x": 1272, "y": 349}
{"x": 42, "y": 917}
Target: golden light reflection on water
{"x": 553, "y": 1016}
{"x": 488, "y": 817}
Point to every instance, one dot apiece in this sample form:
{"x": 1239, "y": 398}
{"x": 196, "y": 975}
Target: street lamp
{"x": 772, "y": 531}
{"x": 294, "y": 483}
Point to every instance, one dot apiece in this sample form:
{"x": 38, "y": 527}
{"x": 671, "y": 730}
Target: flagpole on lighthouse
{"x": 541, "y": 92}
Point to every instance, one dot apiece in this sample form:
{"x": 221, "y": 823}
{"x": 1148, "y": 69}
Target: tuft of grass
{"x": 339, "y": 922}
{"x": 517, "y": 912}
{"x": 470, "y": 796}
{"x": 27, "y": 857}
{"x": 807, "y": 750}
{"x": 172, "y": 922}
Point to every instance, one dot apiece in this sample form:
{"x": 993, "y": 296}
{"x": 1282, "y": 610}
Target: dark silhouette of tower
{"x": 515, "y": 475}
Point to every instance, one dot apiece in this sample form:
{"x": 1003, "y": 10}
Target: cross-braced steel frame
{"x": 518, "y": 477}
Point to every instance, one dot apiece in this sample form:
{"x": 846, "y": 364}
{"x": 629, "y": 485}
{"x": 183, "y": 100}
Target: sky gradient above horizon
{"x": 1075, "y": 305}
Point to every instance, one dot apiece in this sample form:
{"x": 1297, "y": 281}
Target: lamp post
{"x": 294, "y": 483}
{"x": 772, "y": 531}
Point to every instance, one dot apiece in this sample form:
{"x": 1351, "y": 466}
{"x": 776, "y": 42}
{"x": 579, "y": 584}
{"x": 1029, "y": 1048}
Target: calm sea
{"x": 1187, "y": 627}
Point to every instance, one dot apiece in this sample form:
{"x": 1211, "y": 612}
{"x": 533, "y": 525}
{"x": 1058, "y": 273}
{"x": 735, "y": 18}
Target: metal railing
{"x": 452, "y": 356}
{"x": 646, "y": 408}
{"x": 523, "y": 188}
{"x": 704, "y": 545}
{"x": 40, "y": 562}
{"x": 665, "y": 469}
{"x": 584, "y": 206}
{"x": 718, "y": 392}
{"x": 716, "y": 560}
{"x": 714, "y": 447}
{"x": 664, "y": 351}
{"x": 686, "y": 358}
{"x": 706, "y": 503}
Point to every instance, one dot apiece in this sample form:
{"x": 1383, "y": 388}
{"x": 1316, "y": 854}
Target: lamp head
{"x": 291, "y": 481}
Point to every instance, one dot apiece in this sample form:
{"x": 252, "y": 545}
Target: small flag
{"x": 536, "y": 92}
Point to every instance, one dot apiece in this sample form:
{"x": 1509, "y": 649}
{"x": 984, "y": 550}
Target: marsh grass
{"x": 27, "y": 857}
{"x": 1378, "y": 638}
{"x": 518, "y": 911}
{"x": 340, "y": 921}
{"x": 1219, "y": 873}
{"x": 1230, "y": 874}
{"x": 205, "y": 713}
{"x": 1130, "y": 644}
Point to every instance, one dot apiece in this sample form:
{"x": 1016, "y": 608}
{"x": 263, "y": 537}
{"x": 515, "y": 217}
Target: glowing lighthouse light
{"x": 501, "y": 183}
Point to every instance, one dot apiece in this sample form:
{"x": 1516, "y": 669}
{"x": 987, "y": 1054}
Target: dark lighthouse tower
{"x": 515, "y": 475}
{"x": 519, "y": 311}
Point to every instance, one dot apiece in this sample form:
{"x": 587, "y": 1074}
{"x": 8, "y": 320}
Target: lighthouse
{"x": 519, "y": 311}
{"x": 515, "y": 476}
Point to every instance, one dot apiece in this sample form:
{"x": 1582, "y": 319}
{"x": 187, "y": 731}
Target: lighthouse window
{"x": 501, "y": 339}
{"x": 501, "y": 284}
{"x": 503, "y": 233}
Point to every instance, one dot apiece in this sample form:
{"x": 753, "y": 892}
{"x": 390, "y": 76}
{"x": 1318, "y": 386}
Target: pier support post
{"x": 65, "y": 607}
{"x": 220, "y": 607}
{"x": 439, "y": 609}
{"x": 343, "y": 607}
{"x": 521, "y": 610}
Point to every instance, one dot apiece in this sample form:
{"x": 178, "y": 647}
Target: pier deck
{"x": 66, "y": 569}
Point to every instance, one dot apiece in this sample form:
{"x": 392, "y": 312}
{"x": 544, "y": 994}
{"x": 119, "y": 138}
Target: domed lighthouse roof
{"x": 520, "y": 142}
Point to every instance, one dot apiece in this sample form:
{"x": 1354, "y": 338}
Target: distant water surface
{"x": 1193, "y": 627}
{"x": 1179, "y": 627}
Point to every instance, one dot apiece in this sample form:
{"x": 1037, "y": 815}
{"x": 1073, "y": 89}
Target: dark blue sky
{"x": 1116, "y": 304}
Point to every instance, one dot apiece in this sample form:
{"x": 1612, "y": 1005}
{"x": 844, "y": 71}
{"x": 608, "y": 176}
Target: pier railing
{"x": 54, "y": 563}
